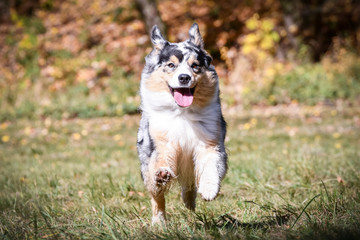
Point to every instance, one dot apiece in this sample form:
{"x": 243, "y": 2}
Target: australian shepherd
{"x": 182, "y": 130}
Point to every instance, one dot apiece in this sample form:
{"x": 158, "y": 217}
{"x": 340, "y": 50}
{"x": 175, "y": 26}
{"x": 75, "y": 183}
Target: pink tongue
{"x": 183, "y": 97}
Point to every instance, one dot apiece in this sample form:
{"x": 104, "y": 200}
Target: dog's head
{"x": 182, "y": 70}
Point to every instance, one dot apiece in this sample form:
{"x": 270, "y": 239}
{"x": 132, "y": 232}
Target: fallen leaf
{"x": 4, "y": 125}
{"x": 340, "y": 180}
{"x": 5, "y": 138}
{"x": 80, "y": 193}
{"x": 76, "y": 136}
{"x": 117, "y": 137}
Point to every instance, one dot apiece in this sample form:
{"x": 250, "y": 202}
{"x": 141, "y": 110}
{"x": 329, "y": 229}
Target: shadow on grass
{"x": 229, "y": 222}
{"x": 226, "y": 221}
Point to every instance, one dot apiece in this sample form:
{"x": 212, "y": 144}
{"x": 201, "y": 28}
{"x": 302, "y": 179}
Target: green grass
{"x": 117, "y": 98}
{"x": 289, "y": 177}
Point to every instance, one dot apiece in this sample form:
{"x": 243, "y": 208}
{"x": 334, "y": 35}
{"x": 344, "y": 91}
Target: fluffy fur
{"x": 182, "y": 130}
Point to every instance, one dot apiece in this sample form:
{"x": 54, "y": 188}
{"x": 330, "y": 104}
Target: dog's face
{"x": 182, "y": 70}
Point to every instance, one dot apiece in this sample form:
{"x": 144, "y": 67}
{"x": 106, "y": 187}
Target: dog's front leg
{"x": 161, "y": 172}
{"x": 158, "y": 209}
{"x": 210, "y": 169}
{"x": 160, "y": 177}
{"x": 188, "y": 194}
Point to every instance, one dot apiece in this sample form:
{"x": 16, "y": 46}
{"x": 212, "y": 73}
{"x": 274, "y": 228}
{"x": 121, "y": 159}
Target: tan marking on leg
{"x": 158, "y": 209}
{"x": 165, "y": 161}
{"x": 167, "y": 153}
{"x": 163, "y": 164}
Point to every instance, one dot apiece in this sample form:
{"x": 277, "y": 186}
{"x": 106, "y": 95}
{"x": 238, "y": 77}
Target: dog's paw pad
{"x": 163, "y": 176}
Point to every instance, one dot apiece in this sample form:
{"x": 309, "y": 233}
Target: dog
{"x": 182, "y": 130}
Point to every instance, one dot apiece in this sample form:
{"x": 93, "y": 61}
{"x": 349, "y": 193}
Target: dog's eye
{"x": 171, "y": 65}
{"x": 196, "y": 68}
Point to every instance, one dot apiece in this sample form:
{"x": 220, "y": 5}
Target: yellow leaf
{"x": 117, "y": 137}
{"x": 246, "y": 90}
{"x": 272, "y": 98}
{"x": 76, "y": 136}
{"x": 261, "y": 55}
{"x": 267, "y": 25}
{"x": 251, "y": 38}
{"x": 279, "y": 67}
{"x": 253, "y": 121}
{"x": 270, "y": 72}
{"x": 336, "y": 135}
{"x": 25, "y": 42}
{"x": 54, "y": 30}
{"x": 246, "y": 49}
{"x": 267, "y": 43}
{"x": 275, "y": 36}
{"x": 5, "y": 138}
{"x": 27, "y": 131}
{"x": 247, "y": 126}
{"x": 253, "y": 22}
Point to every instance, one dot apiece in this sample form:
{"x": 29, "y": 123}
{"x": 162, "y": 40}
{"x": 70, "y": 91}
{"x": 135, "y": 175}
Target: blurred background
{"x": 83, "y": 58}
{"x": 290, "y": 87}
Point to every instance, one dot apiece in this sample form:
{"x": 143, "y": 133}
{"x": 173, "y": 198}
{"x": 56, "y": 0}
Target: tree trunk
{"x": 4, "y": 11}
{"x": 151, "y": 14}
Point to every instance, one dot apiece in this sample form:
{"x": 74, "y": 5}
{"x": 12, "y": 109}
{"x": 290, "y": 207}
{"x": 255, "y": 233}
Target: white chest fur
{"x": 186, "y": 128}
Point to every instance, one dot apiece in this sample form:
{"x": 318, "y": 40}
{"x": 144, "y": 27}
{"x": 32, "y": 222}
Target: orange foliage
{"x": 78, "y": 35}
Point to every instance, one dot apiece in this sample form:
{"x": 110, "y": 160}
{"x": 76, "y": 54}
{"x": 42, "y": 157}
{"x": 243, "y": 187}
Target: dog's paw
{"x": 158, "y": 220}
{"x": 208, "y": 191}
{"x": 163, "y": 175}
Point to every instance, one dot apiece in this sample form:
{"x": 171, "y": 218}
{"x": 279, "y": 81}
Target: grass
{"x": 290, "y": 177}
{"x": 117, "y": 97}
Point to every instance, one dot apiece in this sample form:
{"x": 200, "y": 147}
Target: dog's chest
{"x": 180, "y": 130}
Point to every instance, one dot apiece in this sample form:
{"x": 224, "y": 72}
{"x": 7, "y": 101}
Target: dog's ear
{"x": 157, "y": 39}
{"x": 208, "y": 60}
{"x": 195, "y": 36}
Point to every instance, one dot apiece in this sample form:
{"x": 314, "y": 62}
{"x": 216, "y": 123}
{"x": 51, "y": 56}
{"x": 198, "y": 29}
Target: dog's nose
{"x": 184, "y": 78}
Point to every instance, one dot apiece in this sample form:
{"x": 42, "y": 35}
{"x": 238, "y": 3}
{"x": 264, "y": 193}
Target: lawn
{"x": 292, "y": 175}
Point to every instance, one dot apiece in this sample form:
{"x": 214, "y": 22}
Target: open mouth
{"x": 183, "y": 96}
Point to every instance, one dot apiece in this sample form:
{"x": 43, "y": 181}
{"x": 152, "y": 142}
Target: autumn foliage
{"x": 54, "y": 47}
